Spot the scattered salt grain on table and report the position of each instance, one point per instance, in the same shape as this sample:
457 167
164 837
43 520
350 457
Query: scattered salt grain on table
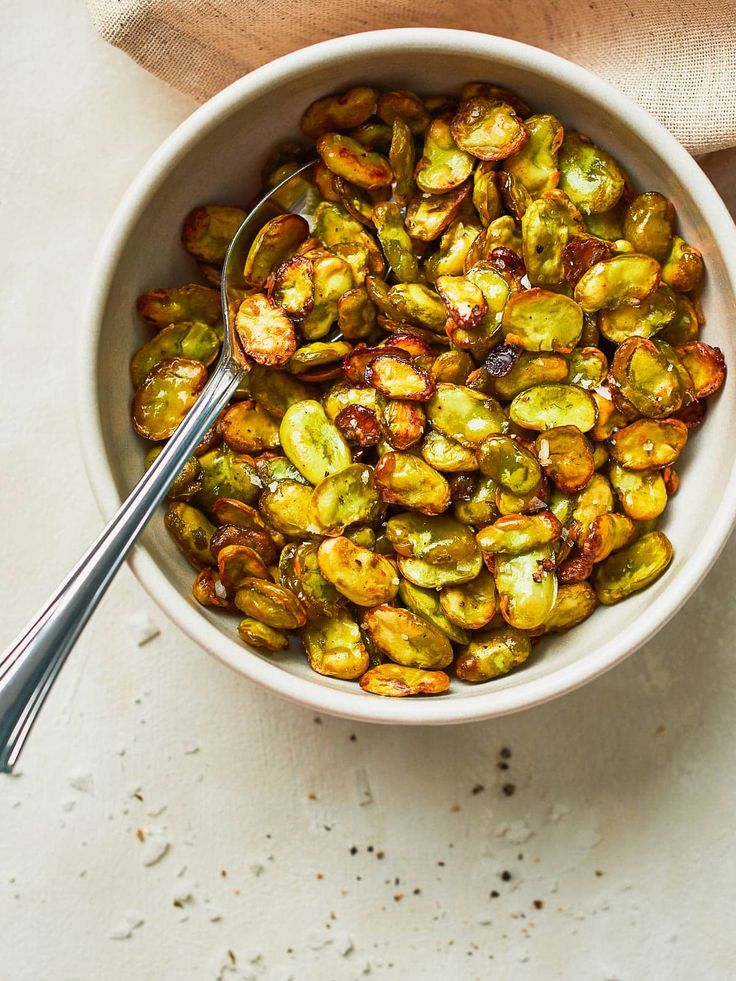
318 941
141 627
588 838
82 781
365 794
129 922
557 812
517 832
121 931
222 964
155 845
183 894
343 943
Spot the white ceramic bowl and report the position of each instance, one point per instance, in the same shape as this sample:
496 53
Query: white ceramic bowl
216 155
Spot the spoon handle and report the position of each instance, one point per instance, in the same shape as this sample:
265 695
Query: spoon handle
28 668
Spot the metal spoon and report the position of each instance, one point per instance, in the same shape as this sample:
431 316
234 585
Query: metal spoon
28 668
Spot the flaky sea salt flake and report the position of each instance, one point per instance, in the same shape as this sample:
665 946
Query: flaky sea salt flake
155 845
82 781
141 627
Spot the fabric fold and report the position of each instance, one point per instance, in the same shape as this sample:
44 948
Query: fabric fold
677 60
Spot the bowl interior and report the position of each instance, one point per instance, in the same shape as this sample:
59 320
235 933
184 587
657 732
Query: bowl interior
218 160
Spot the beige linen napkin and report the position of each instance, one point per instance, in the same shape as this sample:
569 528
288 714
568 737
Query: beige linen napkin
675 58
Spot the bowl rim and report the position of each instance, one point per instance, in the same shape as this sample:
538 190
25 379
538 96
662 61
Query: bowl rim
312 693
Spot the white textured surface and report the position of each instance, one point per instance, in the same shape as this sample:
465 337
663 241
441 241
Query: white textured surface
620 822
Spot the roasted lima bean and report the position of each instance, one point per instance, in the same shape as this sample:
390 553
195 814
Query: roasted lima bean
474 361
